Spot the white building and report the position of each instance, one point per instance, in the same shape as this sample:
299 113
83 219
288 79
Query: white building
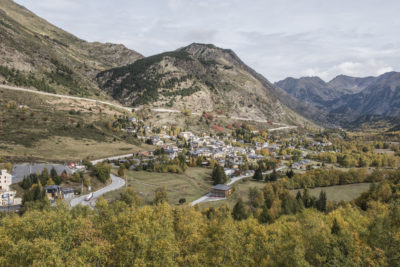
7 196
5 180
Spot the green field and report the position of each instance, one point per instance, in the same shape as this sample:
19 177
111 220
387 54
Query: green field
241 191
335 193
339 192
192 184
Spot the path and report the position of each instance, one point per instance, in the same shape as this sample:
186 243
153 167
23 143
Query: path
65 96
129 109
94 162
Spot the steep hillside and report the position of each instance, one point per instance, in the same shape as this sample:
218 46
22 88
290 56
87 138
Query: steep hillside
200 78
381 97
34 53
350 85
309 89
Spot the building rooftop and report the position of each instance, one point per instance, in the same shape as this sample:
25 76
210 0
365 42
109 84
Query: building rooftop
223 187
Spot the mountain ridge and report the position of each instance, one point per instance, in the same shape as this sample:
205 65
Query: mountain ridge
40 51
356 98
200 77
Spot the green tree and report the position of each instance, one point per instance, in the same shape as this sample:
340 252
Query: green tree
240 211
321 202
258 174
161 195
256 197
335 229
130 197
121 171
218 175
102 172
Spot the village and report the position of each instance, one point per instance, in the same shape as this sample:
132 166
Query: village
238 152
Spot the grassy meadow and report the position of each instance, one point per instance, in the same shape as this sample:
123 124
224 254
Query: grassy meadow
192 184
339 192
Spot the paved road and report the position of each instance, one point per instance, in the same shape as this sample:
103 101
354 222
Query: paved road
94 162
282 128
116 183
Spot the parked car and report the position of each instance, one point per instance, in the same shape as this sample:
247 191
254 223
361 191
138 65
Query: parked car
89 197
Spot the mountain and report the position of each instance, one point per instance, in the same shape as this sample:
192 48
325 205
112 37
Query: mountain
380 97
345 100
199 77
34 53
350 85
309 89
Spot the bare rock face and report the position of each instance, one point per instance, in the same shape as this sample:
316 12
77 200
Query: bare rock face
199 77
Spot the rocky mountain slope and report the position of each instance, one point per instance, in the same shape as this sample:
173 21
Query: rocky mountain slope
198 77
34 53
350 85
309 89
380 97
351 99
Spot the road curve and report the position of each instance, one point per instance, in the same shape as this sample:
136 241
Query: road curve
116 183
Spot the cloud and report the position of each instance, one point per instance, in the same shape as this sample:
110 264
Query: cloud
276 38
354 69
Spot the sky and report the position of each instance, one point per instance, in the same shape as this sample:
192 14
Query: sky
279 39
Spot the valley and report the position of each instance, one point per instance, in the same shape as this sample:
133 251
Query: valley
190 157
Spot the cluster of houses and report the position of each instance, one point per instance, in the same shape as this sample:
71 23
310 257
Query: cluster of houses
55 192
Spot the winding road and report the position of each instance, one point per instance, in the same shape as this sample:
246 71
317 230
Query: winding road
116 183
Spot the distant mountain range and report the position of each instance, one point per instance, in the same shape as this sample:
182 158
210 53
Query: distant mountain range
346 99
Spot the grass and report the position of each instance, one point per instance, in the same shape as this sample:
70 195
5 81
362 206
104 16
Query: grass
339 192
192 184
48 129
335 193
241 191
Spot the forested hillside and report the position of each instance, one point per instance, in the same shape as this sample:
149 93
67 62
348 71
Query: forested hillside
363 233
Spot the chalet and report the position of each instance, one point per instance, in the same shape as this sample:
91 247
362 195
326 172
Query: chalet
221 190
53 192
67 193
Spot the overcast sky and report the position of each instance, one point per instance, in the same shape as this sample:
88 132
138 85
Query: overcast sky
277 38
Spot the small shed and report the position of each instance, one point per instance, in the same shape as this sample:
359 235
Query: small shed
221 190
67 193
